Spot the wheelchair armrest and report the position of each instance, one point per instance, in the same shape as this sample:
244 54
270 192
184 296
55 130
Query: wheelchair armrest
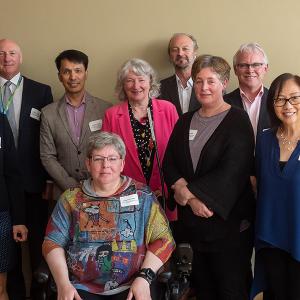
42 273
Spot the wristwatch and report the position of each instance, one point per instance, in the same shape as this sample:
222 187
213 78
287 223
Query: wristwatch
146 273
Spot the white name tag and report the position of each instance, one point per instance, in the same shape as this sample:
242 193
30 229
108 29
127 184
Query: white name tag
192 134
35 114
129 200
95 125
0 143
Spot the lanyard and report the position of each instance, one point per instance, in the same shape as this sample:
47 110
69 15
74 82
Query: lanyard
10 99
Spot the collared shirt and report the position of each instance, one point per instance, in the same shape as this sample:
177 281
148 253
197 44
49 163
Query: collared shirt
184 94
17 98
75 118
253 107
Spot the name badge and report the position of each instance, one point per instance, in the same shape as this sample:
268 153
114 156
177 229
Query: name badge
95 125
129 200
192 134
0 143
35 114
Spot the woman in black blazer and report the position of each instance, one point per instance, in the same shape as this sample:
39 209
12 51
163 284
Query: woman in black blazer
11 203
207 167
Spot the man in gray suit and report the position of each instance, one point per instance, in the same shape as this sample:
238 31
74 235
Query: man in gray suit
67 124
178 88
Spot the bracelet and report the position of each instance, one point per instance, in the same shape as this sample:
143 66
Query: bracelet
146 273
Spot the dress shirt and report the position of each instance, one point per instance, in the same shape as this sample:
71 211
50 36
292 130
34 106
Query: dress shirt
253 107
75 118
184 94
17 97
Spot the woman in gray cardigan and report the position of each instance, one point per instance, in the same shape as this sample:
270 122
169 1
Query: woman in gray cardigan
207 167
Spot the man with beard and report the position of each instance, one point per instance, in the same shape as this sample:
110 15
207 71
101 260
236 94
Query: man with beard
67 124
178 88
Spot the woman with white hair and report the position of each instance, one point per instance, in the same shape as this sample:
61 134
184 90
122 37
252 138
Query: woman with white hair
137 87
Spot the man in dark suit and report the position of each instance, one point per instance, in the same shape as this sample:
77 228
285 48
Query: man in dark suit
250 64
178 88
67 124
23 109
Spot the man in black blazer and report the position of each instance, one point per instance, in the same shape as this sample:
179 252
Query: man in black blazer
250 64
28 98
178 88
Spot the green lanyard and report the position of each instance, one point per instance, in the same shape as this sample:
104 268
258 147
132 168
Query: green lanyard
10 99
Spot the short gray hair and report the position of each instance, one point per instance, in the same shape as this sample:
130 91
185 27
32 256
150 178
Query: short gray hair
195 44
101 139
140 68
216 63
250 48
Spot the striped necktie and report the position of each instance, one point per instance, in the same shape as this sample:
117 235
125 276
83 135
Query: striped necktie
10 113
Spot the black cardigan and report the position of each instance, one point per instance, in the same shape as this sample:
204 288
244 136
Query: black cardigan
222 177
11 188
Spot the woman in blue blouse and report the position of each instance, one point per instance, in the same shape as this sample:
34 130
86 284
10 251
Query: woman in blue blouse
278 204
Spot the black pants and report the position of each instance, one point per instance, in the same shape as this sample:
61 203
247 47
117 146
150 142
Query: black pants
157 290
89 296
37 218
282 274
223 275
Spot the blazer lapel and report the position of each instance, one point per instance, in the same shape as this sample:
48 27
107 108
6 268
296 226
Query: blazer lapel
89 109
63 115
25 105
174 95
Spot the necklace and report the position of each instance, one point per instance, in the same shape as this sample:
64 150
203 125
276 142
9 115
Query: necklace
289 145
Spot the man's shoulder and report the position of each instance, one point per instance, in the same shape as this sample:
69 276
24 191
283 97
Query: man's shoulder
168 80
33 83
98 101
53 106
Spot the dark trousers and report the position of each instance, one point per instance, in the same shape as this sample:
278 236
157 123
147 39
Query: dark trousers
282 274
157 290
223 275
89 296
37 217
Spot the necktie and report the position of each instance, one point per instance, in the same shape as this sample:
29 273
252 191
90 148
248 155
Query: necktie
10 113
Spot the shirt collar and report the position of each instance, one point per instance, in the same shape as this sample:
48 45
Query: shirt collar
83 101
189 82
259 95
14 80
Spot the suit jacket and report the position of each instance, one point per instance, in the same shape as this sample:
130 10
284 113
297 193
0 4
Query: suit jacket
234 98
35 96
169 91
11 189
221 179
61 156
164 118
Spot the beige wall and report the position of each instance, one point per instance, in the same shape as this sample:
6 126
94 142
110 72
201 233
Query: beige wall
112 31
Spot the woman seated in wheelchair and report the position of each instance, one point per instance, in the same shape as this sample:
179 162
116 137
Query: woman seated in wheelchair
107 238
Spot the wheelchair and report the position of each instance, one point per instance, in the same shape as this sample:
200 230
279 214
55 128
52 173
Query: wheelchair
172 282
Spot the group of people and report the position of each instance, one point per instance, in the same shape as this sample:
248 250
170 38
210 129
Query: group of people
224 163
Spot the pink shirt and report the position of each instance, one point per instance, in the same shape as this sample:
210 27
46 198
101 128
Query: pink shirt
253 107
75 118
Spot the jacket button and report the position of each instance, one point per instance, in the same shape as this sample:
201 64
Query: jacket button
77 170
79 152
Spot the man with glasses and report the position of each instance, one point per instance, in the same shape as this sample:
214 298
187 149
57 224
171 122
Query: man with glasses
68 123
250 64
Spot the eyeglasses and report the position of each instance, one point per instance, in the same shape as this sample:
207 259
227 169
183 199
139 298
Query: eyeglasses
254 66
98 159
281 101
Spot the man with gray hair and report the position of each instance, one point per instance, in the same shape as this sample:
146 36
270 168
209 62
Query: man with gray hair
178 88
250 65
